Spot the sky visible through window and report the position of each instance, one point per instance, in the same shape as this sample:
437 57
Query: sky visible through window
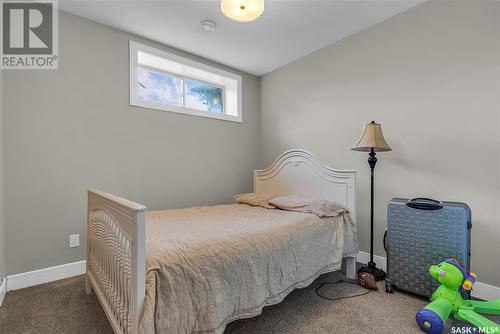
159 88
164 89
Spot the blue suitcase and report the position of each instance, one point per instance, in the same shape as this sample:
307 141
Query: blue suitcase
421 232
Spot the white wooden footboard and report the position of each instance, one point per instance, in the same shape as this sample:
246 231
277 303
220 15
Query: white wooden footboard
116 267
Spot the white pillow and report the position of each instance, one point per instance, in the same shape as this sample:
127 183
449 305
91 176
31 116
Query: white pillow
255 199
316 206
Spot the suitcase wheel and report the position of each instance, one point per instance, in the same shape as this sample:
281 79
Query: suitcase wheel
389 288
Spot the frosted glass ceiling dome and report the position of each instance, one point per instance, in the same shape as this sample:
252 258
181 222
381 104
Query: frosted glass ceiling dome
242 10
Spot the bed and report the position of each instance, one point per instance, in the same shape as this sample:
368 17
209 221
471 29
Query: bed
194 270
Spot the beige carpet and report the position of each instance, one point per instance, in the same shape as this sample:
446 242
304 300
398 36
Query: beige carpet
63 307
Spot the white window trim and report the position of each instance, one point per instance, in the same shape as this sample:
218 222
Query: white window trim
136 47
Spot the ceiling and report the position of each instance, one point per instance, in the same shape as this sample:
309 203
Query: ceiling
288 29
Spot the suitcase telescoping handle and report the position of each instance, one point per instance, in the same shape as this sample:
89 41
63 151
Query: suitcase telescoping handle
422 203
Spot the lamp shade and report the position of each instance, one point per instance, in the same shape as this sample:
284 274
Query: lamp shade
242 10
372 138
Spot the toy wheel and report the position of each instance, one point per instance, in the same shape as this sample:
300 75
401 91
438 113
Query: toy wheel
429 321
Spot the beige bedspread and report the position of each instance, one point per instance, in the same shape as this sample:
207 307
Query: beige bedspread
207 266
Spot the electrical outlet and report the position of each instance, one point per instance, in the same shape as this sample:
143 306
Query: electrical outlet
74 240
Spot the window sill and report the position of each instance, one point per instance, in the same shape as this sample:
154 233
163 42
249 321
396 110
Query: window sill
186 111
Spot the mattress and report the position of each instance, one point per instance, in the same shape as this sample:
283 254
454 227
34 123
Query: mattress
208 266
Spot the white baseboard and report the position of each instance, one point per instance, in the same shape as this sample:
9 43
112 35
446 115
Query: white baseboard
45 275
485 291
3 289
481 290
13 282
364 258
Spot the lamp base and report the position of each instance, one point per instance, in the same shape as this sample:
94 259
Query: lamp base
377 273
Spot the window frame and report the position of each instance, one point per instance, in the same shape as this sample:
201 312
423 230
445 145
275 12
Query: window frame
134 101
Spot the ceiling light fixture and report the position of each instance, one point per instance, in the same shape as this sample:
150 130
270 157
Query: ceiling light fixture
242 10
207 25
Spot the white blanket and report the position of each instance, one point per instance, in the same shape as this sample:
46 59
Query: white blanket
208 266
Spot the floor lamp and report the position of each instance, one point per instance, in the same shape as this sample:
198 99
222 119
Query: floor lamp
372 140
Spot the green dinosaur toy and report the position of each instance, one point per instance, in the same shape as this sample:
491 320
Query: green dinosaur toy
447 299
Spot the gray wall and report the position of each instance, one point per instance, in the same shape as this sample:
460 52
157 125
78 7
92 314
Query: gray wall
2 207
430 76
73 128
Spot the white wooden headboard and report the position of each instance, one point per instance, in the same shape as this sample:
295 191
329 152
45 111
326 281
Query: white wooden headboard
300 172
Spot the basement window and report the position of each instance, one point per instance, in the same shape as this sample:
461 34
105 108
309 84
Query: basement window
164 81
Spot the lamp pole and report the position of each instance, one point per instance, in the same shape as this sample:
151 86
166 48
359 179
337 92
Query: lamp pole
372 161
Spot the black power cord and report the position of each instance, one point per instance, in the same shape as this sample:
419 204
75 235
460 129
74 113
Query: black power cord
338 282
